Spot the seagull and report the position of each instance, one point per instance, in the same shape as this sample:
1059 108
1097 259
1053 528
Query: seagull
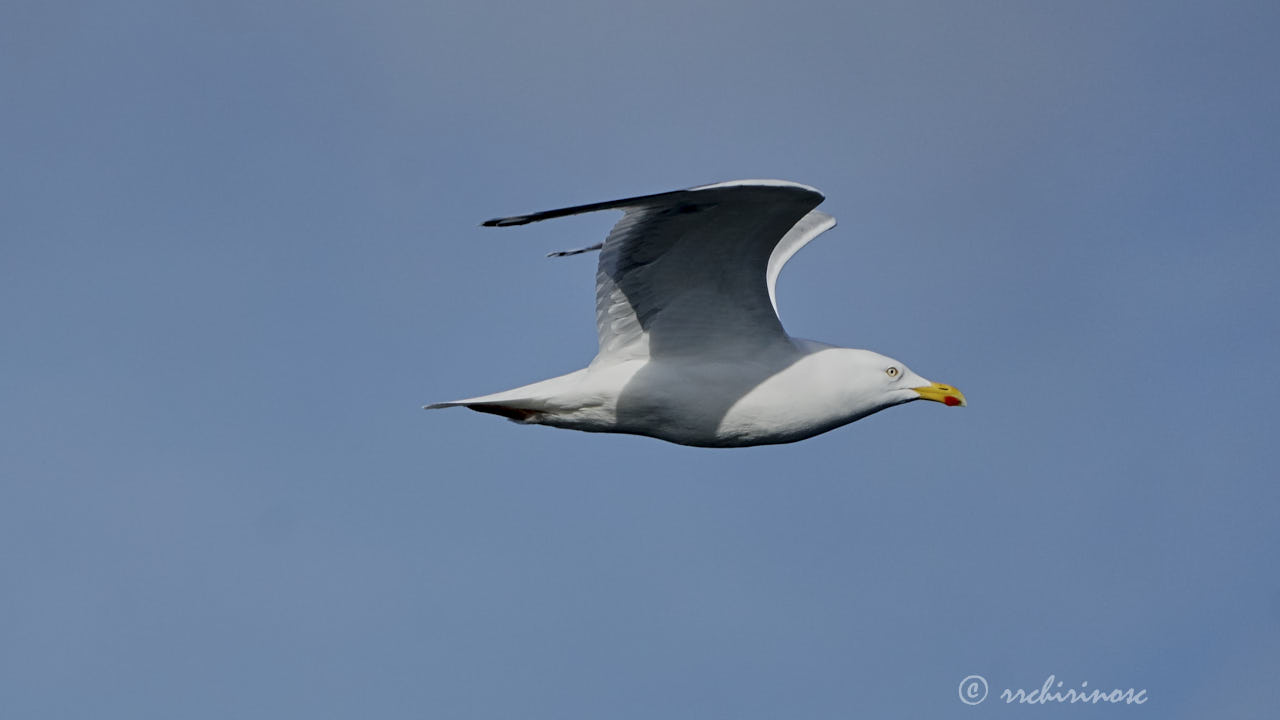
691 347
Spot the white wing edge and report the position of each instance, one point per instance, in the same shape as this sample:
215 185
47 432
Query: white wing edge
757 183
809 227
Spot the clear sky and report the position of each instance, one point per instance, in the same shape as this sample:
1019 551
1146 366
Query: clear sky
239 249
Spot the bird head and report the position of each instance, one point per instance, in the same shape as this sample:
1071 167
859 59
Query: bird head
877 382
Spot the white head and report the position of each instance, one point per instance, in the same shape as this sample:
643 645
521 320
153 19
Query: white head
871 382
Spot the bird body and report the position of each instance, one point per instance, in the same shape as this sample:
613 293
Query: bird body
691 347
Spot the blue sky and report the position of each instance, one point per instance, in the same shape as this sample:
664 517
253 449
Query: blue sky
241 249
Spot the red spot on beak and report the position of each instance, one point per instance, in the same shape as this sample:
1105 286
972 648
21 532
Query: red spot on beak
951 400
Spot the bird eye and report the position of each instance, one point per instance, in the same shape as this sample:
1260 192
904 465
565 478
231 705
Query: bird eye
892 372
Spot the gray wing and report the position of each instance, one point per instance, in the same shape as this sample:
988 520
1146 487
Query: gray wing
692 272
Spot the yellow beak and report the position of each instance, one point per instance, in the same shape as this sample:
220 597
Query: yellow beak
945 394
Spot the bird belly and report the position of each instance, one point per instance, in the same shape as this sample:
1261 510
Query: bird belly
721 405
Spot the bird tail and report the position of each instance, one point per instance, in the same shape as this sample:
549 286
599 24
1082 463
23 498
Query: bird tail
514 410
527 404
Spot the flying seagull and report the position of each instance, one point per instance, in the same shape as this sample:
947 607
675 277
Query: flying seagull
691 347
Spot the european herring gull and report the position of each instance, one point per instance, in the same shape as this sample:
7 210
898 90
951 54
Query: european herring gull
691 347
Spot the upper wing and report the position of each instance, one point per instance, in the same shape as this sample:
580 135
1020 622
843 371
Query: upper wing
693 271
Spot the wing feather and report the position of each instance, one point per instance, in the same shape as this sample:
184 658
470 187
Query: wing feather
693 271
809 227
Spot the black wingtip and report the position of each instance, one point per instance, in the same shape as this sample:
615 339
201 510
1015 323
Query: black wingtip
507 221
